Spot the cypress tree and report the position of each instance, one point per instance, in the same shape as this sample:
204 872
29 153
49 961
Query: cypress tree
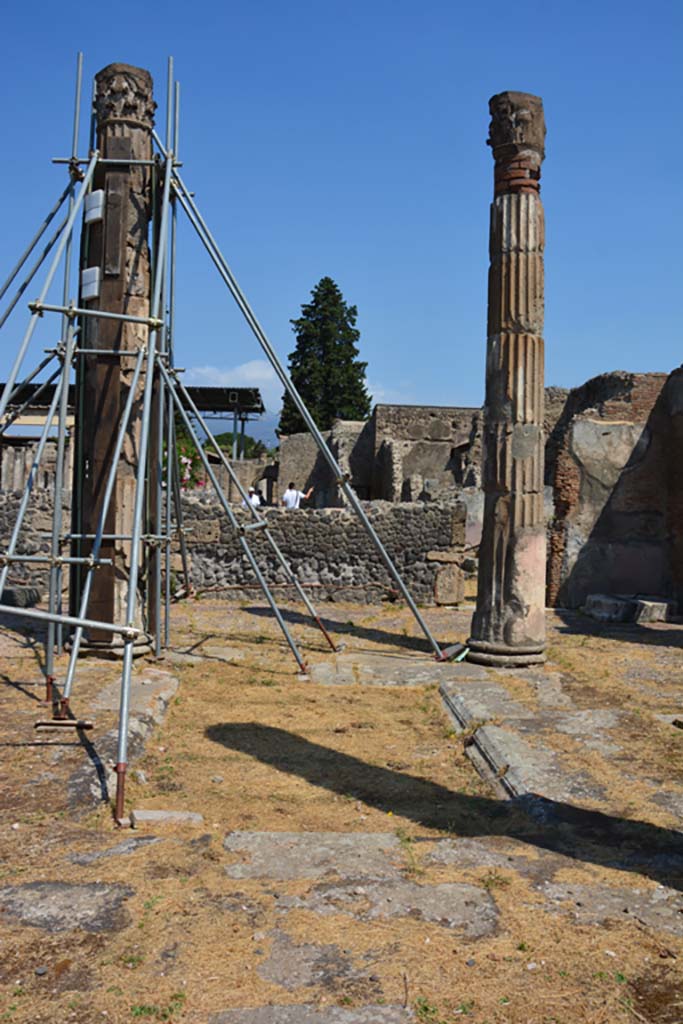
324 366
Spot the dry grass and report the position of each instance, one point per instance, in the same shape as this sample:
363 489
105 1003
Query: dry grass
253 748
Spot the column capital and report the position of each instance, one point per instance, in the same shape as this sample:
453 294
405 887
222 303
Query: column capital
517 139
124 93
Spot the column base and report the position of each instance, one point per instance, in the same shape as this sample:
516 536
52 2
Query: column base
501 656
113 649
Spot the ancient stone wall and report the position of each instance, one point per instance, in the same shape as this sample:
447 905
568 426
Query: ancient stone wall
614 491
16 459
328 549
301 462
249 472
34 538
425 452
608 466
331 553
402 453
672 401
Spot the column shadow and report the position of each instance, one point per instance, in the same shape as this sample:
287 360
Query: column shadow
585 835
418 644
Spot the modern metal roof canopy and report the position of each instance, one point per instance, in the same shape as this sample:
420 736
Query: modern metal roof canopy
118 346
247 401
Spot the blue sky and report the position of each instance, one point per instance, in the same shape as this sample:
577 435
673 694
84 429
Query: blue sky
348 139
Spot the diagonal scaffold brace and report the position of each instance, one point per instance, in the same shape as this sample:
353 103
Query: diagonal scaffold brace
186 200
156 397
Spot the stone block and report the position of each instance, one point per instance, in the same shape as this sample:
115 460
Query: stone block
444 556
64 906
653 609
609 608
205 531
177 562
290 855
624 608
144 817
458 524
449 585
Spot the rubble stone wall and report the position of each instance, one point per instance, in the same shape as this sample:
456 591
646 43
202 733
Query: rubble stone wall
331 553
301 462
34 538
328 549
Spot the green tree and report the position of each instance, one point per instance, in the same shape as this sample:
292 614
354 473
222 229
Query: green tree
324 366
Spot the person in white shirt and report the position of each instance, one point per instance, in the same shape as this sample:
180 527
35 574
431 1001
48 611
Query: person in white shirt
292 498
252 499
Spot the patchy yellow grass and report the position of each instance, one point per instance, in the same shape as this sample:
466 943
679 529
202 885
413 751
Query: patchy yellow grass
252 747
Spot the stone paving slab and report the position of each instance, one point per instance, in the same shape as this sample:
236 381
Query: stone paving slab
493 852
293 965
128 846
383 670
149 688
590 726
468 908
151 692
62 906
314 1015
292 855
484 702
660 910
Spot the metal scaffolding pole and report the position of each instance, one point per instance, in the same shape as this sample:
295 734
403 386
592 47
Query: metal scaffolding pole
36 238
131 602
55 582
256 516
233 522
29 401
155 555
29 484
104 511
170 437
85 185
54 589
32 273
34 373
190 207
126 631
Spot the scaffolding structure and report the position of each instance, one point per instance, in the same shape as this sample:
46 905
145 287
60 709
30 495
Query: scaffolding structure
164 399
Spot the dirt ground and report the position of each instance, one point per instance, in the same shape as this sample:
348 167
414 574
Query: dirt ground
253 748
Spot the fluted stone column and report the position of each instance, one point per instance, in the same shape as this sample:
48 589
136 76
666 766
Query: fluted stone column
508 627
119 246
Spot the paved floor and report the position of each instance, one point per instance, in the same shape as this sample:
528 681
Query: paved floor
553 897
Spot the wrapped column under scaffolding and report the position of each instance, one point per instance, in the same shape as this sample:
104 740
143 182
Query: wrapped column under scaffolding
115 278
